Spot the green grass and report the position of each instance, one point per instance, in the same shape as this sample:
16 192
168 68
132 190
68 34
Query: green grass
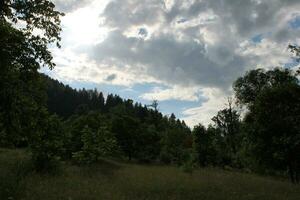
113 180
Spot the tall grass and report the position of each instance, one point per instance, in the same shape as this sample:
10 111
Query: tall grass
113 180
14 166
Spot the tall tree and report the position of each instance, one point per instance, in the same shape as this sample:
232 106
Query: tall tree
272 121
253 82
275 129
228 122
127 131
21 55
203 145
26 29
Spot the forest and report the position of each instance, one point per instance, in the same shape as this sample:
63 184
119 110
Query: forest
258 132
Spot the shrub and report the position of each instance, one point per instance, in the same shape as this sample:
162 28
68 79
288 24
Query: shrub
95 144
46 143
188 161
188 167
165 157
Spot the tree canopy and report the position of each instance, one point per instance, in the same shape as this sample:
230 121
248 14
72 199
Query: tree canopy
247 87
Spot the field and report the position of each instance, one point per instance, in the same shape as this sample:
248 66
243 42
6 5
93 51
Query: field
114 180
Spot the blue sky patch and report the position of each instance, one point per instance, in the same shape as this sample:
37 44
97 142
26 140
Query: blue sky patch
257 38
295 23
176 106
292 64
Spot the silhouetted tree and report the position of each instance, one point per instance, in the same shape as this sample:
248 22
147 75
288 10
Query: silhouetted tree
271 133
203 145
22 53
228 122
253 82
275 133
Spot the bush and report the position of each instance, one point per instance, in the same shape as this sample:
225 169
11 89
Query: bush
5 141
188 161
95 144
188 167
165 157
46 144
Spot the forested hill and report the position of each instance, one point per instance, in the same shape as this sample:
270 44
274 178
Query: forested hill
141 133
65 101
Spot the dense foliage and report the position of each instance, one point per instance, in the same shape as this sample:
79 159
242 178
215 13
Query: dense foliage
141 133
24 118
267 138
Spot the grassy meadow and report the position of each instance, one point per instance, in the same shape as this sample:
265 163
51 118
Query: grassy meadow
114 180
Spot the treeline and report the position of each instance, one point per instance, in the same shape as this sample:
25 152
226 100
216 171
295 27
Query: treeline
66 101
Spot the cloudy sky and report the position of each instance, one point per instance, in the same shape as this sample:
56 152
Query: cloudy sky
186 54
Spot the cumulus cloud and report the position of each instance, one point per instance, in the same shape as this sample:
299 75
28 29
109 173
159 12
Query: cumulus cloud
165 58
123 14
206 50
70 5
215 101
192 47
75 66
162 94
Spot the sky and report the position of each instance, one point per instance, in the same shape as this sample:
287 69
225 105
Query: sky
185 54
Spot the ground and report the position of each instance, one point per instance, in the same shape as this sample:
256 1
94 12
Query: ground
116 180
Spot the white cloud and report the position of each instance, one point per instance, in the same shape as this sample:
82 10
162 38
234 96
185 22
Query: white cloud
216 100
175 93
185 45
82 26
266 54
78 67
70 5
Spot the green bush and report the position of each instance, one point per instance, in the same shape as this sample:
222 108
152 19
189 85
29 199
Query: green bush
165 157
188 161
46 144
95 144
188 167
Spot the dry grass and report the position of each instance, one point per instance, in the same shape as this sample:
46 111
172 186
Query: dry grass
112 180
